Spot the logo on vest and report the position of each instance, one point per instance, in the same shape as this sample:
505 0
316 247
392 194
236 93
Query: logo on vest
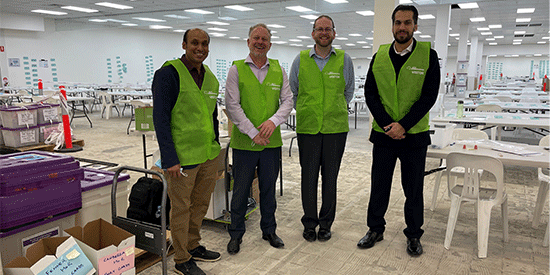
333 75
274 86
415 70
211 94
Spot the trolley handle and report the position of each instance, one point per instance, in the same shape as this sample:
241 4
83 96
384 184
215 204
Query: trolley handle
146 171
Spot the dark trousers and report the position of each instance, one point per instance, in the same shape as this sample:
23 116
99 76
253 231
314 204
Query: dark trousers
245 164
413 162
324 152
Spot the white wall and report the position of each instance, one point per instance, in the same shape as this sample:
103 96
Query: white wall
81 55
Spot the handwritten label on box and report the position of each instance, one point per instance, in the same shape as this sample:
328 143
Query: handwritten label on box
117 262
72 262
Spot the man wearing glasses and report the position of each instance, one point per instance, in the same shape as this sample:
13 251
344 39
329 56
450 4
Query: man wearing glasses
322 81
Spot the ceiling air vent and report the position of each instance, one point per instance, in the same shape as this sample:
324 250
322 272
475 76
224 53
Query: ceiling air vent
522 25
529 35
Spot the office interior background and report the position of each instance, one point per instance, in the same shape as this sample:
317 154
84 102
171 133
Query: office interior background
93 43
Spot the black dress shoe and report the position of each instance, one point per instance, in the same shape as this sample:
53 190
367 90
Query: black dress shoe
370 239
274 240
234 246
324 235
414 247
309 234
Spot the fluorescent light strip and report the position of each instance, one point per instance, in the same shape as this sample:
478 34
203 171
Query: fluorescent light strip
149 19
73 8
276 26
217 23
129 24
362 42
489 39
472 5
366 47
217 34
523 20
49 12
354 34
493 43
303 37
541 42
179 30
309 16
526 10
497 26
98 20
239 8
425 36
175 16
538 54
483 29
227 18
486 33
365 13
114 6
336 1
477 19
295 40
426 16
234 37
519 32
279 42
199 11
499 36
298 8
454 34
350 44
275 37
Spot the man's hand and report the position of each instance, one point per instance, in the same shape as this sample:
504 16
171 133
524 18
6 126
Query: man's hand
266 128
395 130
258 139
175 171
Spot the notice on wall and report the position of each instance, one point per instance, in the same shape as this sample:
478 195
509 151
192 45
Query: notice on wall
14 62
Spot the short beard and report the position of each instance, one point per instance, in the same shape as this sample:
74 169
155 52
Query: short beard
404 41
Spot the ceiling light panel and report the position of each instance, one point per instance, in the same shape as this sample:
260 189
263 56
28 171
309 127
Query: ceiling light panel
73 8
309 16
496 26
114 6
477 19
299 8
218 23
526 10
239 8
336 1
149 19
426 16
175 16
523 20
199 11
365 13
472 5
49 12
159 27
276 26
218 29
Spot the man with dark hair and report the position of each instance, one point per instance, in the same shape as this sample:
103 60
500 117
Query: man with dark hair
258 100
322 80
185 117
401 87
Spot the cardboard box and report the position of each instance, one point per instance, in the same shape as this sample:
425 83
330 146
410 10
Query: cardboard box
144 118
109 248
52 256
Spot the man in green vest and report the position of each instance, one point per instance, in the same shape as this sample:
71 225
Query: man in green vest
401 87
258 100
185 117
322 81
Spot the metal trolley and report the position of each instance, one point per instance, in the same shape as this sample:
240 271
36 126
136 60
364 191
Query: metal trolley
149 237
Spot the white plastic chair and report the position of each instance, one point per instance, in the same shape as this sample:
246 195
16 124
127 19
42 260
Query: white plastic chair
544 179
485 198
107 104
458 134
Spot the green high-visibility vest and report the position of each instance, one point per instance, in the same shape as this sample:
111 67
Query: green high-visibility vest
191 119
321 105
259 101
398 97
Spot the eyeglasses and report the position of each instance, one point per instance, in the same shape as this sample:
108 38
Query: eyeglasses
323 29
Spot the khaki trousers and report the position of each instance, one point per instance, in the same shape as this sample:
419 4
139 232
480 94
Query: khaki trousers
189 200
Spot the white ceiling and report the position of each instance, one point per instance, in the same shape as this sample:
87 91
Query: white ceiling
346 19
